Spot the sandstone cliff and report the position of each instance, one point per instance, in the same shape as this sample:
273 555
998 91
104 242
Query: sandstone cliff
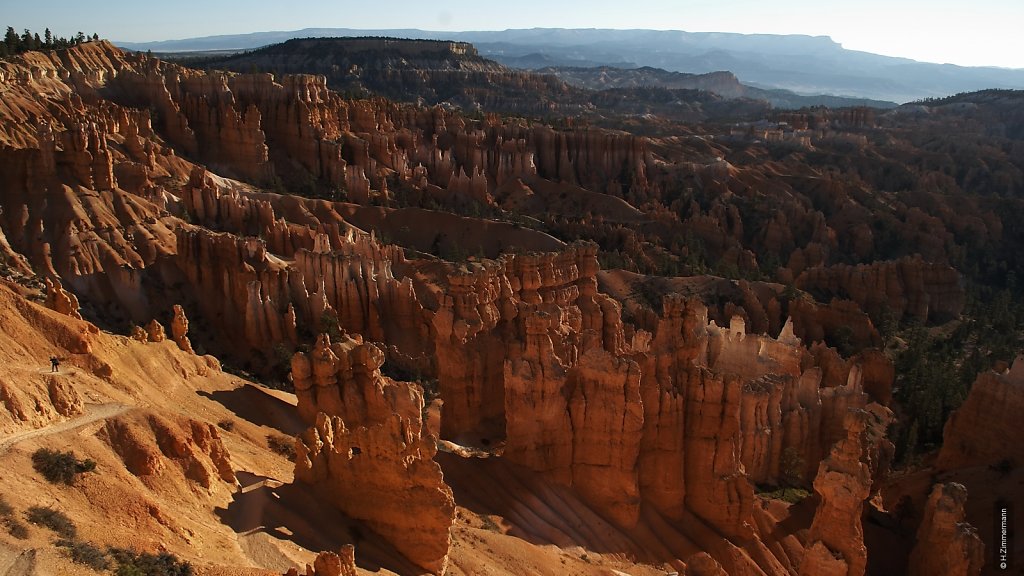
946 544
366 454
910 287
983 430
836 537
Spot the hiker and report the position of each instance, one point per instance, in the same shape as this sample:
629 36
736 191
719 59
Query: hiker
54 363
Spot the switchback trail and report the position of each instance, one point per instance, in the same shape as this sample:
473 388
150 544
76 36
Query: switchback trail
93 412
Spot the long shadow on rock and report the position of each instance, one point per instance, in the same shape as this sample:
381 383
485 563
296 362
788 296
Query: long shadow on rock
538 511
545 513
260 407
294 513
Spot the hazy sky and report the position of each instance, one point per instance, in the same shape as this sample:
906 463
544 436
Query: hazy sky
972 33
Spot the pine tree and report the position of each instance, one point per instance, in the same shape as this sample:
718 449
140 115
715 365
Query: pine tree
11 40
26 40
48 39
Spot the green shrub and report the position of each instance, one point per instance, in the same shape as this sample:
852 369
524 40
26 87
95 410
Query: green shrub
283 445
86 554
226 424
131 563
54 520
58 466
791 495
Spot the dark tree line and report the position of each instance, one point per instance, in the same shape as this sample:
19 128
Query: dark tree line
935 369
15 43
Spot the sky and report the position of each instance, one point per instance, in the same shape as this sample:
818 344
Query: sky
969 33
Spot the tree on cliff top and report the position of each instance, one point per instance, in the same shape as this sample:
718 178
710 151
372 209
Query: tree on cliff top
16 44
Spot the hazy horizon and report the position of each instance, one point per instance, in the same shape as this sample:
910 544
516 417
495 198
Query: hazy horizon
983 33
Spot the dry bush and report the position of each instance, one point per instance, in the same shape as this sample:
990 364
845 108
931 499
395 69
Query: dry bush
281 444
60 467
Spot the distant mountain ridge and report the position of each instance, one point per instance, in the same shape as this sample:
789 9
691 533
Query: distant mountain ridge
802 64
454 73
723 83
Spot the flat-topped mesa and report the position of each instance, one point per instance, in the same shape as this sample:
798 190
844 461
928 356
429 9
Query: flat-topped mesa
986 428
401 46
344 379
365 452
946 544
909 287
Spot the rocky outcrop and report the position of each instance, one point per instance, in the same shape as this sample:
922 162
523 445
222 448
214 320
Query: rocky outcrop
342 563
702 564
384 475
946 544
717 490
149 444
985 430
179 329
365 452
344 279
343 379
909 287
155 331
60 300
835 542
138 333
580 424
